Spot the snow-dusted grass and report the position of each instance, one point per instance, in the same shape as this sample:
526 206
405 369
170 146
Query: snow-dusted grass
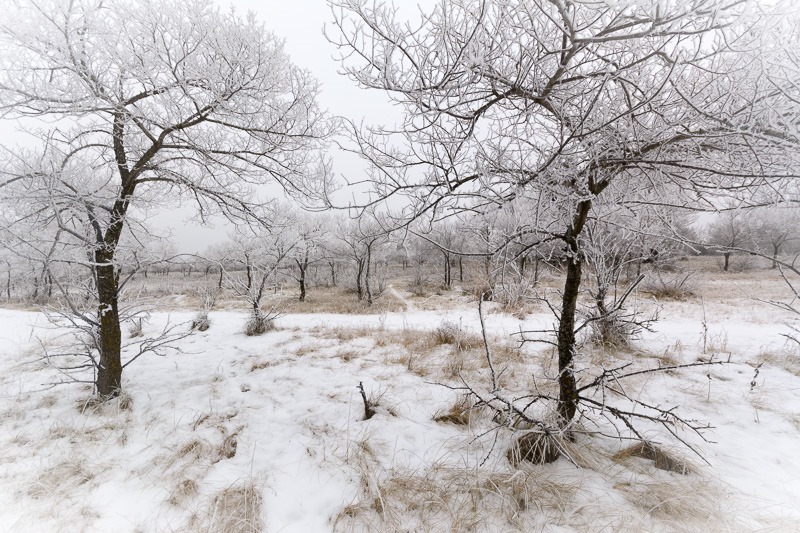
266 433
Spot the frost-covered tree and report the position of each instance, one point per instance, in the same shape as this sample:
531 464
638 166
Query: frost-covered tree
732 231
138 103
775 228
574 104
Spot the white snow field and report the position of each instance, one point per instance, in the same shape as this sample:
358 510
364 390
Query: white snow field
228 433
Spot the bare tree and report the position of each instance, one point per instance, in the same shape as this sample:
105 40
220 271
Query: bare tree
575 105
138 103
730 231
310 231
775 228
361 239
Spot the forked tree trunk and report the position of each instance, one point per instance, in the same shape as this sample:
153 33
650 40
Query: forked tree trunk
332 265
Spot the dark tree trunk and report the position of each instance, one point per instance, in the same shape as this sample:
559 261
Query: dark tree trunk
367 274
109 371
460 269
219 280
249 273
567 384
301 278
522 262
447 271
302 285
775 250
8 282
359 274
726 264
568 395
332 265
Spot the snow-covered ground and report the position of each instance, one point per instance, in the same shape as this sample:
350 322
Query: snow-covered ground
236 433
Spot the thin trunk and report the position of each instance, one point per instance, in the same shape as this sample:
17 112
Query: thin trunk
460 269
332 265
775 250
359 274
8 281
219 280
727 256
367 274
301 278
249 273
447 275
567 384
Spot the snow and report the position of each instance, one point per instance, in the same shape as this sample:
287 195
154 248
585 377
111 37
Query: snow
289 400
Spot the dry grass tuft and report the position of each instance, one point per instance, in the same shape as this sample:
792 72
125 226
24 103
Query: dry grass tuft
186 489
536 448
677 287
456 335
692 504
258 324
62 479
201 322
95 405
787 359
236 509
227 450
662 459
460 413
441 498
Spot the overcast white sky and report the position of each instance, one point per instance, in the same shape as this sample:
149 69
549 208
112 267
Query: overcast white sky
300 23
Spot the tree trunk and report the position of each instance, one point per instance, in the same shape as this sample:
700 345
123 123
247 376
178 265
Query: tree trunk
332 265
301 278
447 275
109 371
568 394
8 282
219 281
727 256
775 250
367 275
460 269
567 384
359 274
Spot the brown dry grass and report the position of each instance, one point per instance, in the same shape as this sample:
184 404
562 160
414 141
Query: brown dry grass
787 359
235 509
61 479
662 459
